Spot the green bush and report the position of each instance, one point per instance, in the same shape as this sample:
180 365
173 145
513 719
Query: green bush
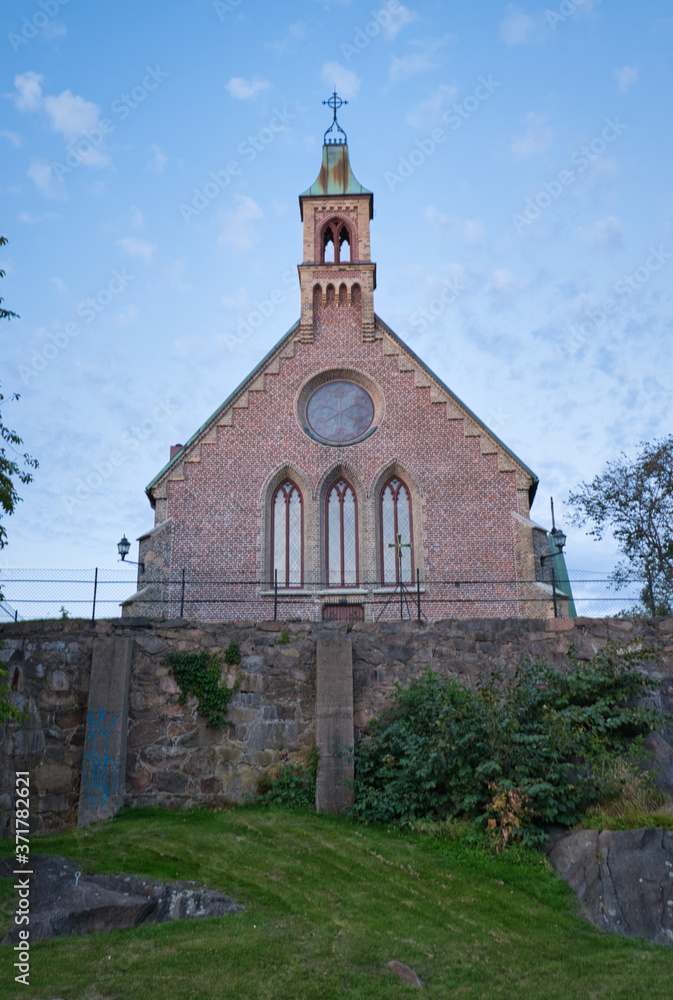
513 755
199 674
294 784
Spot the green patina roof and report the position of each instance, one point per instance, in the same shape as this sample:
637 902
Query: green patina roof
336 176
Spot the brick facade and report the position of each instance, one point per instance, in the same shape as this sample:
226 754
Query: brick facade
470 495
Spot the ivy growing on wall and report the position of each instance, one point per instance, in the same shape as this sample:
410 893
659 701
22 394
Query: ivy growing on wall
199 674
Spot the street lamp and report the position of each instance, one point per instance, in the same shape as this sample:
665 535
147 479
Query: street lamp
123 548
559 539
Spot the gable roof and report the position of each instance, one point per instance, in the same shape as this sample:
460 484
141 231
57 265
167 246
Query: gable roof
274 354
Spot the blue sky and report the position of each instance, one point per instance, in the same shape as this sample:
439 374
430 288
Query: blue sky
520 158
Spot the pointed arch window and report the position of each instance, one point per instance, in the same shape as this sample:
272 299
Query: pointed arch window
329 253
337 243
396 519
287 531
342 535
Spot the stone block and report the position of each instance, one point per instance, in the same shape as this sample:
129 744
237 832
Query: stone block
55 778
104 761
334 722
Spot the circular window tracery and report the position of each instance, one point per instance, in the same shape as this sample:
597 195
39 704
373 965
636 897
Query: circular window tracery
340 412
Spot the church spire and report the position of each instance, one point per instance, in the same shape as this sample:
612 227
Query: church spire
336 211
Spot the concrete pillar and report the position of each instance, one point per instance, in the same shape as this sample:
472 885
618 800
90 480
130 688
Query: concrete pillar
104 761
334 723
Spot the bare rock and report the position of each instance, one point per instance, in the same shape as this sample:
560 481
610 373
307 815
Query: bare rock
623 878
406 974
64 901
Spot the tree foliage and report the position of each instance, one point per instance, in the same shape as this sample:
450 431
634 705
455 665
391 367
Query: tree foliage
633 498
14 466
514 754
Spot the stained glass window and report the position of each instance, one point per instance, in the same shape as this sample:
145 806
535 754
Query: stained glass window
286 543
342 536
340 412
396 520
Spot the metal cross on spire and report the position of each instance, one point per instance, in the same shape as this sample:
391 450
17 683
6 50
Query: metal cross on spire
335 103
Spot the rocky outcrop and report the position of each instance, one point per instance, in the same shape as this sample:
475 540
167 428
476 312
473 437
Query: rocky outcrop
623 879
65 901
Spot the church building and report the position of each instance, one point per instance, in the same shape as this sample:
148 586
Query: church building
342 479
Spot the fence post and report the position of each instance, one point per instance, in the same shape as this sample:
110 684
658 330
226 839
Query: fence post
95 588
418 592
275 594
182 594
650 588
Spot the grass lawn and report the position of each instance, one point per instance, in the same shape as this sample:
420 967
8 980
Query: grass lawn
328 904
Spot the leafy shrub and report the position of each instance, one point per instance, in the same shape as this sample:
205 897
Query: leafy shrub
515 754
232 653
294 784
199 674
284 637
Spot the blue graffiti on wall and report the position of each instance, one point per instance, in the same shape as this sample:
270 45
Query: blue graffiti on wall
100 774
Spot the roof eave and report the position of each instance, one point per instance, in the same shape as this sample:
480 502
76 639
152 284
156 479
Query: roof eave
228 401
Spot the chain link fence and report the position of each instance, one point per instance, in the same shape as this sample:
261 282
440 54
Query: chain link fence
35 594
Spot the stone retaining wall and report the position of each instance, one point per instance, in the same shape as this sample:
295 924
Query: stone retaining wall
173 757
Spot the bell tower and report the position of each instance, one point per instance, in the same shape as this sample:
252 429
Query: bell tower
337 270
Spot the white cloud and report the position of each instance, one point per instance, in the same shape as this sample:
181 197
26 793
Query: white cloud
134 247
159 159
70 114
516 27
237 301
404 67
536 139
129 314
41 174
471 230
12 138
346 81
238 229
29 87
605 234
53 30
503 281
626 77
73 116
28 219
429 110
137 218
289 42
242 89
399 17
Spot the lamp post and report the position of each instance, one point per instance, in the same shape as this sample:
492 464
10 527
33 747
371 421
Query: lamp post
559 539
123 548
